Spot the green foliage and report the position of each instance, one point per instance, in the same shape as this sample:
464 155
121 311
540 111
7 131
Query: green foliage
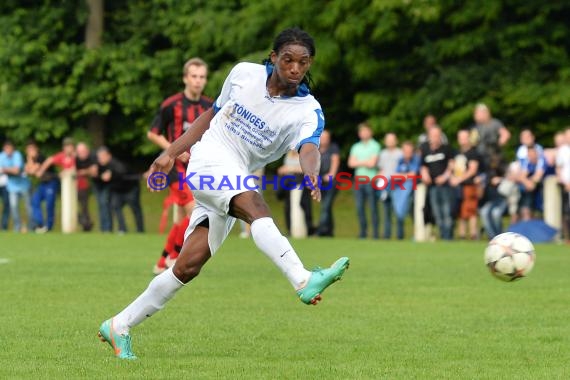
388 61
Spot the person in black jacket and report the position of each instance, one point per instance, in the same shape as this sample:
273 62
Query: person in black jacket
123 187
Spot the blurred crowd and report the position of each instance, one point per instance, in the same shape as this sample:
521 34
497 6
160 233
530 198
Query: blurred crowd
473 190
30 181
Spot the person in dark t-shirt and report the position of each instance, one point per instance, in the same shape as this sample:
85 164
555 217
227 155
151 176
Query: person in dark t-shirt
123 187
330 162
436 167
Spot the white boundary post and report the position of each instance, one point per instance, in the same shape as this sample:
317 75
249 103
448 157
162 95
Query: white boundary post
552 203
420 233
68 201
298 225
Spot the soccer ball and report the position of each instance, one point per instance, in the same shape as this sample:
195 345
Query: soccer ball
509 256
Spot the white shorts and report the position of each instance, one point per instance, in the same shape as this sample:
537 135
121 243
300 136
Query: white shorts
214 204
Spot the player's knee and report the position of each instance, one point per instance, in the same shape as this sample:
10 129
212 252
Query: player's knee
186 273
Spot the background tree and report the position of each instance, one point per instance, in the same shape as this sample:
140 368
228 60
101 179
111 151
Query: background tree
390 62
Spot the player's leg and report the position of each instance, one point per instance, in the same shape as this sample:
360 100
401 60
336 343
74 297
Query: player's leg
195 253
185 202
186 205
251 208
160 266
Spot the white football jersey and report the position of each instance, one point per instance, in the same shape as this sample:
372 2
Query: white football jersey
251 128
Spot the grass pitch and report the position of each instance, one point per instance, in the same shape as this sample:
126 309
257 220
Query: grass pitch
403 310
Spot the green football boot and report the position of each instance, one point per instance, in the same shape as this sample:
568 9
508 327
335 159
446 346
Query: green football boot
121 344
321 279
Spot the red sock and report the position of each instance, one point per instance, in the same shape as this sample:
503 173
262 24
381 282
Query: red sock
171 239
161 262
179 238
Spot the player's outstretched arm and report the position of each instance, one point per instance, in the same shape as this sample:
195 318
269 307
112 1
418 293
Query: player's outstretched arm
165 161
310 159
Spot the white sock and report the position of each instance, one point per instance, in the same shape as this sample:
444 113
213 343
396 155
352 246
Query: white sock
276 246
161 289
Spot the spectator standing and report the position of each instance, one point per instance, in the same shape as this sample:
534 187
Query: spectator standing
530 182
46 190
563 175
124 188
494 200
330 163
4 201
86 166
429 122
436 168
64 160
18 186
408 165
363 159
292 167
488 134
387 163
466 167
526 139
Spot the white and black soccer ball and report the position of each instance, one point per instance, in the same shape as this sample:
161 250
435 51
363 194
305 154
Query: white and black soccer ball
510 256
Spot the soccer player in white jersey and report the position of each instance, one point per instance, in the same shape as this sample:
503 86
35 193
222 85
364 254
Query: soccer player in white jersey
262 112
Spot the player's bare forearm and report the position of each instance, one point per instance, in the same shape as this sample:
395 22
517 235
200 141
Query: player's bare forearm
192 135
157 139
310 159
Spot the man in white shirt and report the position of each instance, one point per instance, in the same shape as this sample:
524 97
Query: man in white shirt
262 112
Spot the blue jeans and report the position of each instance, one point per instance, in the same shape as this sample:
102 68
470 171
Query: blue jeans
5 202
492 216
46 191
15 209
103 193
441 199
326 221
387 212
365 196
131 198
401 221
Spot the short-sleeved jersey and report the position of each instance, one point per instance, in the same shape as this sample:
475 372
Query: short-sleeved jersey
62 161
176 115
251 128
365 151
17 183
50 173
326 158
436 160
461 164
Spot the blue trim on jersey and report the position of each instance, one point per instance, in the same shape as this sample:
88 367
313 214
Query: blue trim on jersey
302 90
315 138
215 107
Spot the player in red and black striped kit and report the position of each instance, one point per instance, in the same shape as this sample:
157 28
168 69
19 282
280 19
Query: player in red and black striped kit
176 114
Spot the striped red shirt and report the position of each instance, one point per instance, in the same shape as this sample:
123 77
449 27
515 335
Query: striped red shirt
176 115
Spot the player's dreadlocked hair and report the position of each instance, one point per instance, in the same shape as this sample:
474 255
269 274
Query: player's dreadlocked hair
295 36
